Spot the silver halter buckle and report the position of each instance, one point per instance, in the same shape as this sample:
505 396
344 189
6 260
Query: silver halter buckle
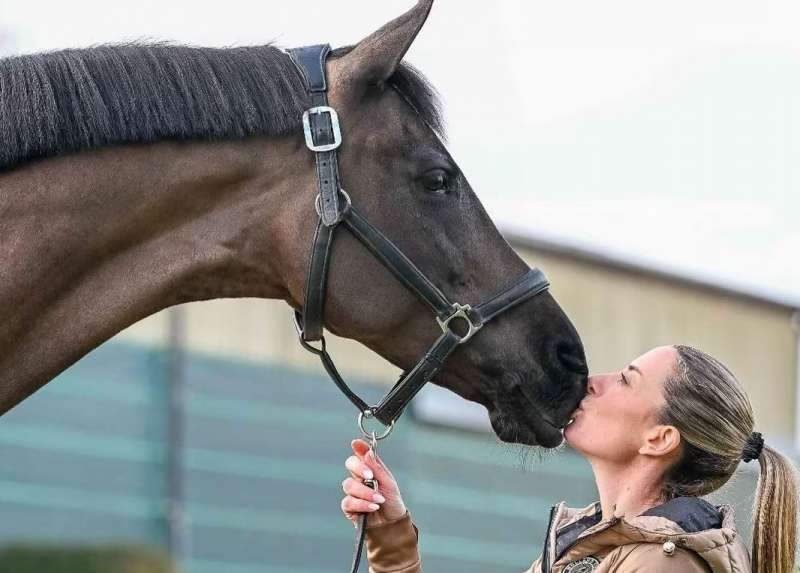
337 132
460 311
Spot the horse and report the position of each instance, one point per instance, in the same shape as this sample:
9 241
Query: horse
138 176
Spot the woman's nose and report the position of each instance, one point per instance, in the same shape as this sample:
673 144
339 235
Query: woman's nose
597 383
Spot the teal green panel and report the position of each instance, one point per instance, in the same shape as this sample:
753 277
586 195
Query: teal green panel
263 462
207 566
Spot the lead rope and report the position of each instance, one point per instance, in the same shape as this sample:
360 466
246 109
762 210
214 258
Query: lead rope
361 530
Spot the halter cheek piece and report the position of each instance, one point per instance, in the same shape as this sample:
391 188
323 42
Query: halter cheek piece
334 208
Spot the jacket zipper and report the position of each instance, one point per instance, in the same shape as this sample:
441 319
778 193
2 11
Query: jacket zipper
612 522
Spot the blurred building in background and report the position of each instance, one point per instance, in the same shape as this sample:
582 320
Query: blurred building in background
207 431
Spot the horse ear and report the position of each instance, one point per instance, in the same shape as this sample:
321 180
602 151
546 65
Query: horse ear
375 58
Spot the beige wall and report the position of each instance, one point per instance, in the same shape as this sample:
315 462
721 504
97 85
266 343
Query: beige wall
259 331
619 313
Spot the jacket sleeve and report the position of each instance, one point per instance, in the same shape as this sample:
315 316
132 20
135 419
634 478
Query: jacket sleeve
392 546
650 558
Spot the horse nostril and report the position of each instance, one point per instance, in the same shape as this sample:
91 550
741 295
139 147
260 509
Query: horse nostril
571 357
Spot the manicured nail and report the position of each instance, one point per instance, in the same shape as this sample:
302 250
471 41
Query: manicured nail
374 506
379 498
368 473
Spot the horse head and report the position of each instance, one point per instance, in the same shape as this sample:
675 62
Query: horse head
528 366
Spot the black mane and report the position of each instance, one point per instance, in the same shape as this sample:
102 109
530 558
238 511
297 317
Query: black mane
115 94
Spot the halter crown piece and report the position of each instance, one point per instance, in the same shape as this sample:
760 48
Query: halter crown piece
753 447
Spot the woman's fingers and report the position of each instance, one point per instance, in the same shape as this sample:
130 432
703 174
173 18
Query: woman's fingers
356 489
353 504
385 504
360 499
358 469
372 461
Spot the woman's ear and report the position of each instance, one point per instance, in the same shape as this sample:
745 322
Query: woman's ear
375 58
660 440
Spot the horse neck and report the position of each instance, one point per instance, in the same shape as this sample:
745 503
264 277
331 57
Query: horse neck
94 242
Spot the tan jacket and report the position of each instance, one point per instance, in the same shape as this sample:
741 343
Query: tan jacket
685 535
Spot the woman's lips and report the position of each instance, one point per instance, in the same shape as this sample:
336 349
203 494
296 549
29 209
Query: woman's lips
574 416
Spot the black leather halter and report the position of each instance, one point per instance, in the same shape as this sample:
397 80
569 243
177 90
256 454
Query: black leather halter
333 205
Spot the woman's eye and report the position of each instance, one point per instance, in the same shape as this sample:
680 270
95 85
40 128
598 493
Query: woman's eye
622 379
436 181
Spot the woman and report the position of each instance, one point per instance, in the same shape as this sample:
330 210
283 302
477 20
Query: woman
668 428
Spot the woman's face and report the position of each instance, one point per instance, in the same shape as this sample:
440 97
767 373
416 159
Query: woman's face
621 407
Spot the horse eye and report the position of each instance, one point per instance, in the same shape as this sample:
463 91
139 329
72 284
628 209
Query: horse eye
436 181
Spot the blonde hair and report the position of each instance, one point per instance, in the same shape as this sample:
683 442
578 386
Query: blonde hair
708 406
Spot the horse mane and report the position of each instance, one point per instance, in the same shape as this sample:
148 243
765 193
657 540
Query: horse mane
70 100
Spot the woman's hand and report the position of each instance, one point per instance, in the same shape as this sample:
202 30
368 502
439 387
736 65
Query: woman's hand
382 505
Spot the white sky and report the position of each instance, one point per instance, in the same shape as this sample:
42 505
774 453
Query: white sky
665 133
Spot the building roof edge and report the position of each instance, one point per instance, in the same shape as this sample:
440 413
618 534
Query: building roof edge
576 251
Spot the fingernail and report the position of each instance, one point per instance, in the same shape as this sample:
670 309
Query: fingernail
368 473
374 506
355 525
379 498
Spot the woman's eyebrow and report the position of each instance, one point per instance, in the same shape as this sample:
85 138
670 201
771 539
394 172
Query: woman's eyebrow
635 369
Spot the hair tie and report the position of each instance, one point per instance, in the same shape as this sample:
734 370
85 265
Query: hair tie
753 447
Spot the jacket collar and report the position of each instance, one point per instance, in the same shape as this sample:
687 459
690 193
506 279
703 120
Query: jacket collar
690 522
691 514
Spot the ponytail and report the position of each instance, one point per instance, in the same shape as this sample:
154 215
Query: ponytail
775 515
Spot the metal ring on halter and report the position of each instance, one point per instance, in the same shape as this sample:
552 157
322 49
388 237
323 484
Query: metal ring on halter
305 343
368 414
460 311
318 206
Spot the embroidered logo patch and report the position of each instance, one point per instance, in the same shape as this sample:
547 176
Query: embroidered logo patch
585 565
